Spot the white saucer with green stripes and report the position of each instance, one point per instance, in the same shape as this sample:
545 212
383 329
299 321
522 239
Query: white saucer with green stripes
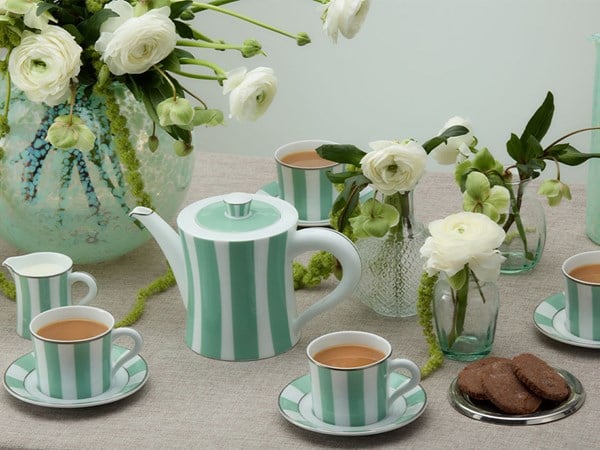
550 318
20 380
295 404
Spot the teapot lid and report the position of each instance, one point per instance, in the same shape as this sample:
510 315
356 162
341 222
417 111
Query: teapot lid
237 217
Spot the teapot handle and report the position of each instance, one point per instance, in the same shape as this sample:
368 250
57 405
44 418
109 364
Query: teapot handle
344 250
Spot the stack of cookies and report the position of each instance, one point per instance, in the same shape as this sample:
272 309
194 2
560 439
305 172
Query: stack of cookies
515 386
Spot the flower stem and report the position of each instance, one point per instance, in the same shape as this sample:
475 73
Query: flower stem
206 44
202 62
166 77
402 202
212 6
459 299
581 130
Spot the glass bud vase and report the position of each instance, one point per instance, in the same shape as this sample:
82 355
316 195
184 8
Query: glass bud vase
465 319
392 265
77 202
525 228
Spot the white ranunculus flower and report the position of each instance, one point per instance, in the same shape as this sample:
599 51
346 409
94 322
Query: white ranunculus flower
464 238
394 166
344 16
456 149
43 64
250 93
134 44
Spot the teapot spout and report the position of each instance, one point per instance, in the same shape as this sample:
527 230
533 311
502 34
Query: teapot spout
169 243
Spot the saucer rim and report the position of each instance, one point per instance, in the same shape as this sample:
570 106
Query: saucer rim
80 403
556 335
347 431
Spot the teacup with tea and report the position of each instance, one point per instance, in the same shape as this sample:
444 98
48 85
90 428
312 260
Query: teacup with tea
73 351
582 294
302 178
43 280
350 373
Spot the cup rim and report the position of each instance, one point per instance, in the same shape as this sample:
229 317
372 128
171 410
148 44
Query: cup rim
380 339
296 146
570 260
77 309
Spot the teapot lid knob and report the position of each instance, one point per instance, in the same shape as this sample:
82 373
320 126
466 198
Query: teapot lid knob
237 205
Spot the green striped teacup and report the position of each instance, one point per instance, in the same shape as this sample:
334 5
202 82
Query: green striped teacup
43 281
356 396
307 188
582 298
76 369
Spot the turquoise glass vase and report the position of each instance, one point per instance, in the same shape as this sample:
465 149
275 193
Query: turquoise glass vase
77 202
592 222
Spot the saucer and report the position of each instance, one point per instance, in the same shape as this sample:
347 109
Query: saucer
295 404
550 318
272 190
20 380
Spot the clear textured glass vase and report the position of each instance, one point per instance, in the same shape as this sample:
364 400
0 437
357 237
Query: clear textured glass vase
465 319
525 229
392 265
592 215
77 202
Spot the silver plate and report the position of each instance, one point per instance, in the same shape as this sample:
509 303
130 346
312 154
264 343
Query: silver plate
486 412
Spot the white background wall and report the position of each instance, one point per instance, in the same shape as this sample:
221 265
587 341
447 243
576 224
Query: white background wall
414 64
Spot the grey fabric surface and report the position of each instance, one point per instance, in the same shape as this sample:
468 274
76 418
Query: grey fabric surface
194 402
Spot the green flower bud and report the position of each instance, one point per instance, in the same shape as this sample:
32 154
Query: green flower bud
70 132
250 48
103 76
4 126
302 39
153 143
186 15
183 148
175 111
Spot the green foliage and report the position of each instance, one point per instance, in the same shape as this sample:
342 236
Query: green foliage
425 315
456 130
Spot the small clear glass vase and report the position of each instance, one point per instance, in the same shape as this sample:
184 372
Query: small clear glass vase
465 319
525 228
392 265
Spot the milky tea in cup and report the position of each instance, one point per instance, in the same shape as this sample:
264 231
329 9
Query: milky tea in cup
302 179
582 294
350 373
72 346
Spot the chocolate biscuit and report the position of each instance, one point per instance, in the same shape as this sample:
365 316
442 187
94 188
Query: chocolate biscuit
505 391
469 378
540 378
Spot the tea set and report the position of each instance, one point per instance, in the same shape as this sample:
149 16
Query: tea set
232 260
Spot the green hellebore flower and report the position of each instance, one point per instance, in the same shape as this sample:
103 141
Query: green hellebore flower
375 219
208 117
70 132
175 111
480 197
554 191
250 48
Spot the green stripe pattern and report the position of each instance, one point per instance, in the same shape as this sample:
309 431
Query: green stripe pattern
36 295
236 299
353 398
583 309
309 190
73 371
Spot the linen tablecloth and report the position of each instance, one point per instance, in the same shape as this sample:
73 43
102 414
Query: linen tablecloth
194 402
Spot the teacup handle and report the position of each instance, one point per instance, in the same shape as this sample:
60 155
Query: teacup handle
88 280
344 250
412 382
130 353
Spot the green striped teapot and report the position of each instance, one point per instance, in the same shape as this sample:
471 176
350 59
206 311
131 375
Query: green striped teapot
232 260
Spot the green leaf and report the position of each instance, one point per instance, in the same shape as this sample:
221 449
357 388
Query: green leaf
73 31
178 7
183 29
181 53
341 153
459 279
540 122
171 62
514 147
339 177
533 148
453 131
570 156
90 28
